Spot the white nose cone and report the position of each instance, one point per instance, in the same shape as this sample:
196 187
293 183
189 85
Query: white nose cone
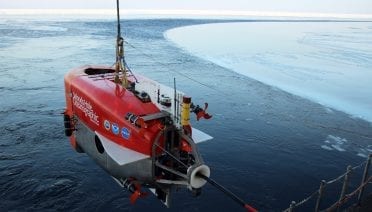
194 180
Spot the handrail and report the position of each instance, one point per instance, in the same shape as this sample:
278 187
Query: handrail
344 198
348 196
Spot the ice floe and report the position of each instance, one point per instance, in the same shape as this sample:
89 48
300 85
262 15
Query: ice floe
326 62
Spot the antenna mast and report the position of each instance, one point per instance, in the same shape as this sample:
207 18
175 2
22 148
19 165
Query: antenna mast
120 64
118 17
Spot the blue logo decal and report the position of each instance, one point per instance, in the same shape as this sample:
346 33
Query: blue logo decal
125 133
115 129
107 125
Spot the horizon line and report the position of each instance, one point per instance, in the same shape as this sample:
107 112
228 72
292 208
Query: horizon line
228 13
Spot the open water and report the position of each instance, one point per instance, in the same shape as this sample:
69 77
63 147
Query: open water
270 147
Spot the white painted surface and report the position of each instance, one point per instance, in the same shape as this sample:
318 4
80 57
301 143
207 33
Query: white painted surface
120 154
199 136
151 87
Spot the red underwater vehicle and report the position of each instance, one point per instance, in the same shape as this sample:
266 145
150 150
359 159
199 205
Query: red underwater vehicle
132 131
136 129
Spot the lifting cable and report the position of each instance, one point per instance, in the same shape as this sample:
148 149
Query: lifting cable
209 180
174 71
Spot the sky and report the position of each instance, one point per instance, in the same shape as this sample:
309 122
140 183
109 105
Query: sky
307 6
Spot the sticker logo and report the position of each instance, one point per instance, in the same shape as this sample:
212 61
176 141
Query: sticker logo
85 107
107 125
115 129
125 133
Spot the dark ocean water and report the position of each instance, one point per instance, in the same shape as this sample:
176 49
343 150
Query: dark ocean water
267 145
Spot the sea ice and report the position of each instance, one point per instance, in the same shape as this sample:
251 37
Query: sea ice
338 148
335 142
362 155
326 147
326 62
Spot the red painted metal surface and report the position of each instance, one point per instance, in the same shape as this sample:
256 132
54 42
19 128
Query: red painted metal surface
102 105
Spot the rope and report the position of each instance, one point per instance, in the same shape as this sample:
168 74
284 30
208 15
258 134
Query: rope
348 196
170 154
336 179
358 166
330 182
344 174
172 70
307 199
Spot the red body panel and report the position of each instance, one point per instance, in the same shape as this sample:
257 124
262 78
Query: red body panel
102 105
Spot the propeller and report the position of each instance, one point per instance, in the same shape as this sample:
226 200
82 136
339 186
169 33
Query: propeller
137 194
201 113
